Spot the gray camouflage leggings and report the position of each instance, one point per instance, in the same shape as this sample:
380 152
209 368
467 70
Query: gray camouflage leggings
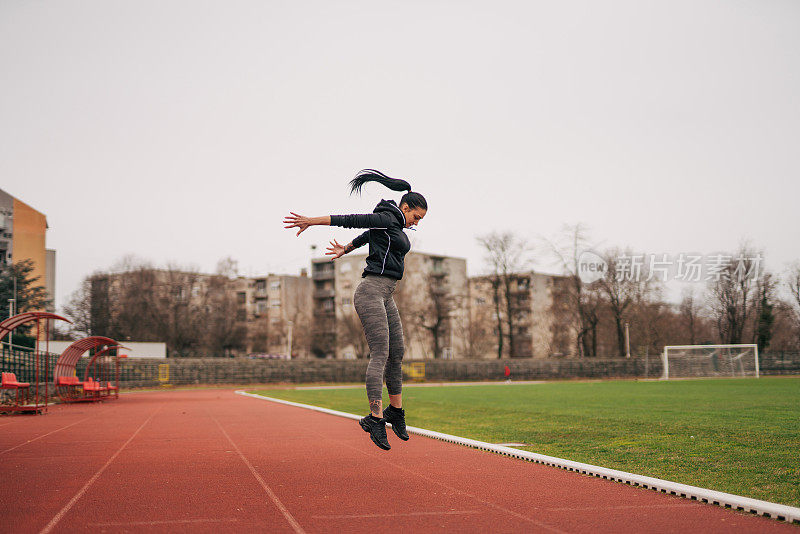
384 332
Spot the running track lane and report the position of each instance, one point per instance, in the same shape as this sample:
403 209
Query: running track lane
211 461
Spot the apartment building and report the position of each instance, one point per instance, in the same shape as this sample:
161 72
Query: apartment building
276 310
540 312
430 298
333 327
23 236
433 299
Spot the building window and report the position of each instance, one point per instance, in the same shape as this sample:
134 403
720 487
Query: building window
346 301
241 297
261 306
480 301
275 285
275 303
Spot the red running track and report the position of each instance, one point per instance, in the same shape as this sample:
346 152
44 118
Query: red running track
211 461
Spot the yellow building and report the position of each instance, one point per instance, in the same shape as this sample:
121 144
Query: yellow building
23 236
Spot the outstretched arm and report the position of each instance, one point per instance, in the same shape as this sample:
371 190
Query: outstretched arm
337 251
366 220
295 220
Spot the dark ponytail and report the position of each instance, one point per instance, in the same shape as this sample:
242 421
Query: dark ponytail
413 200
371 175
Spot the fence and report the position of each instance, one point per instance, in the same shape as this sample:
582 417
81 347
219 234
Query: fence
187 371
143 372
22 363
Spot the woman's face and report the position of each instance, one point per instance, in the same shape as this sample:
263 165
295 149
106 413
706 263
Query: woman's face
413 215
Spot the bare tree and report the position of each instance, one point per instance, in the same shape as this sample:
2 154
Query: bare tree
78 309
426 305
478 330
763 314
651 318
434 314
506 257
277 334
407 297
689 309
731 291
350 332
494 279
194 314
181 319
223 333
228 267
621 289
583 299
259 336
792 284
561 310
786 328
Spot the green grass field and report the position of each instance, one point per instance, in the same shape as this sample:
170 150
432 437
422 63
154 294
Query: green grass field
740 436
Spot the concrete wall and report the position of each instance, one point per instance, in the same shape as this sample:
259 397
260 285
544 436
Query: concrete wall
50 279
134 349
184 371
6 226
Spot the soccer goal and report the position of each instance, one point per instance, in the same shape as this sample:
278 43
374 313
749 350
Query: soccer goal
697 361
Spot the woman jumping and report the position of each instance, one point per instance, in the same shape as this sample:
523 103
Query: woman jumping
373 299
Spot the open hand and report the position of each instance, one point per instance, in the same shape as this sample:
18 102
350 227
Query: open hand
336 250
297 221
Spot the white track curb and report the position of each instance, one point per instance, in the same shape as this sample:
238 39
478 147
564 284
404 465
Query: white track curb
781 512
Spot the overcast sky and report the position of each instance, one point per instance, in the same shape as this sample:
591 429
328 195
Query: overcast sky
183 131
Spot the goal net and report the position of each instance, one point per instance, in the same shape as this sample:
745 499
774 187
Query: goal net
696 361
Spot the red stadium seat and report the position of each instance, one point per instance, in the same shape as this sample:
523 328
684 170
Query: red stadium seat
67 381
9 381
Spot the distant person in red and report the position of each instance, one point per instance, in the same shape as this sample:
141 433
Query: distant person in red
388 245
507 373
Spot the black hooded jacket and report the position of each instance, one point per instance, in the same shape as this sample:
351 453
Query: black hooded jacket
388 243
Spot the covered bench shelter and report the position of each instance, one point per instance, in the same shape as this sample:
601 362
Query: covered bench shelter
35 368
103 384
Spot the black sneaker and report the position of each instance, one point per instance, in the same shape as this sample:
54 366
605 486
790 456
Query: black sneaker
397 418
377 431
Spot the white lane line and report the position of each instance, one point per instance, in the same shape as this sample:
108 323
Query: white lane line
53 522
44 435
164 522
401 514
678 504
292 521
